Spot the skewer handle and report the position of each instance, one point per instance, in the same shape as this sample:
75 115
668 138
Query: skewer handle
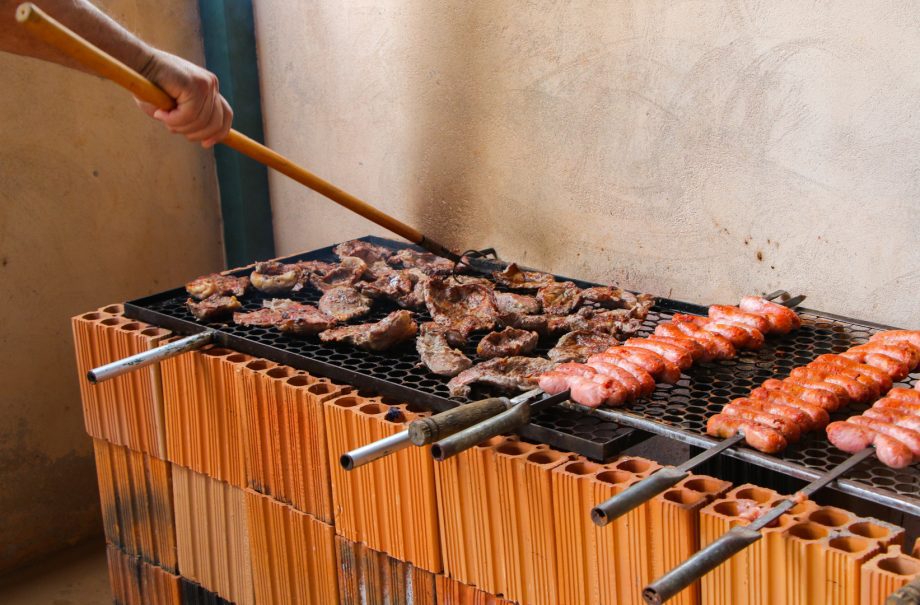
428 430
635 495
146 358
685 574
374 451
505 422
53 33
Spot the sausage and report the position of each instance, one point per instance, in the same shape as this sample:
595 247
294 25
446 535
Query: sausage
902 351
804 391
786 427
856 391
723 347
583 389
853 438
908 437
620 375
837 371
646 381
740 335
896 369
784 406
672 353
894 416
909 337
892 403
672 330
909 395
815 416
759 437
782 319
734 315
654 364
815 385
693 348
881 378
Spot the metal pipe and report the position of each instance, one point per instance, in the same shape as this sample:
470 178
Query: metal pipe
505 422
643 491
372 451
146 358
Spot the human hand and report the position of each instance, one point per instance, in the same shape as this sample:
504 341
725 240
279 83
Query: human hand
201 113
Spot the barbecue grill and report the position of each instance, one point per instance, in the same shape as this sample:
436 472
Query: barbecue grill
676 411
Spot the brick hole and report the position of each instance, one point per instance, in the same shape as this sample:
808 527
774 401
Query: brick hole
372 408
153 332
703 485
217 352
112 321
237 358
808 531
682 496
869 530
849 544
513 448
729 508
582 468
345 402
257 365
902 566
757 494
279 372
614 477
829 518
298 381
91 316
545 457
113 309
320 388
130 327
634 465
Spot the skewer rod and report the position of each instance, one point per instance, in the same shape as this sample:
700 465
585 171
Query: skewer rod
53 33
373 451
146 358
736 539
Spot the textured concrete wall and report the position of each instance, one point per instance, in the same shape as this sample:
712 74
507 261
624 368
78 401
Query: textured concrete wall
701 150
97 204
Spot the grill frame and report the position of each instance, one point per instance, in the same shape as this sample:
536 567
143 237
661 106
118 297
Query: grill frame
573 430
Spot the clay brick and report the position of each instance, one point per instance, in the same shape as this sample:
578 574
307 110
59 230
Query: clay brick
452 592
369 577
293 554
135 491
885 573
389 504
136 582
212 535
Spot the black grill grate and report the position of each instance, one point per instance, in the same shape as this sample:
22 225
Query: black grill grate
686 405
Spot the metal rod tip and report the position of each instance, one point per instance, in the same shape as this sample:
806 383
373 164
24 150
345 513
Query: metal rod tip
24 11
599 517
651 596
91 376
347 462
436 453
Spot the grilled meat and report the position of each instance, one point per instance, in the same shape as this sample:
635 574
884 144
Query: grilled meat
393 329
346 273
532 323
308 268
213 307
507 302
215 283
463 308
616 322
578 345
436 353
366 251
505 374
610 297
344 303
269 315
560 298
273 277
424 261
514 277
507 343
303 320
461 280
400 286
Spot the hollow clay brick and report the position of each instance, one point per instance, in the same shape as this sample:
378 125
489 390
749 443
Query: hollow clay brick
293 554
135 582
212 535
135 491
369 577
885 573
452 592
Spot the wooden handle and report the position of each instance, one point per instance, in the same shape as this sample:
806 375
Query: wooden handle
428 430
42 26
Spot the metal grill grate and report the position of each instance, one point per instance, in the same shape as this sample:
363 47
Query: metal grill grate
686 405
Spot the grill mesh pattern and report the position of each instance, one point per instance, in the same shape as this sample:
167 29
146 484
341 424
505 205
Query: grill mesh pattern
686 405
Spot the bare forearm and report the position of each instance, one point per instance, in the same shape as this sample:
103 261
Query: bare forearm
84 19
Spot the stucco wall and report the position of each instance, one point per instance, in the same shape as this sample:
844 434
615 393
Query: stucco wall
97 204
701 150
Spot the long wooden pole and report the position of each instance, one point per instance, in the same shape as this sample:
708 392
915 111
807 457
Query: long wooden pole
47 29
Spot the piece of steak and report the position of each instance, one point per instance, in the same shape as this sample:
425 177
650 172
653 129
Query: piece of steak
581 344
344 303
437 354
393 329
505 374
507 343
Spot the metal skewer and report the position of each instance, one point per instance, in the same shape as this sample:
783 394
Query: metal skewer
427 430
146 358
737 539
667 477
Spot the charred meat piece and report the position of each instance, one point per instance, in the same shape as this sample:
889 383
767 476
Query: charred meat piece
222 285
505 374
436 352
516 303
213 307
303 320
393 329
616 322
532 323
464 308
560 298
461 280
366 251
578 345
308 268
346 273
269 315
610 297
376 270
507 343
400 286
273 277
424 261
514 277
344 303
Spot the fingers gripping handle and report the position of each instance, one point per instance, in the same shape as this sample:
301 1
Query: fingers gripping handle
635 495
428 430
697 566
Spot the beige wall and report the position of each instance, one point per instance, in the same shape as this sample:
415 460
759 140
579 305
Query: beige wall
701 150
97 204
